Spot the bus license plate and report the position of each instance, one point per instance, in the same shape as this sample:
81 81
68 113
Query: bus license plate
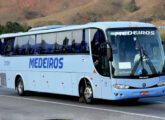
144 93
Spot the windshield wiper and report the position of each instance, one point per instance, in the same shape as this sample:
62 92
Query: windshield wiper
144 72
150 64
148 61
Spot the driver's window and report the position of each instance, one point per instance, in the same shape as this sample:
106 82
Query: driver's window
99 52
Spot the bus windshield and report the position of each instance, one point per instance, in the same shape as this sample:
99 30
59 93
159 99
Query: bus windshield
137 52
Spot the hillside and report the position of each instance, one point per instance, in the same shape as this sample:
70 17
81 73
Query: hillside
46 12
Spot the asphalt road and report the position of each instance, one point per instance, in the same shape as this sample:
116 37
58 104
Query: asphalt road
39 106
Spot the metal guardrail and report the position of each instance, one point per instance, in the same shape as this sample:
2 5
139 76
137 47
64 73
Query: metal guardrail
0 82
161 27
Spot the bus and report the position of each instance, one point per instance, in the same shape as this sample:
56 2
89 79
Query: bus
99 60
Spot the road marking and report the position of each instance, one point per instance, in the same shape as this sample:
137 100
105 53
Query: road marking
158 102
86 107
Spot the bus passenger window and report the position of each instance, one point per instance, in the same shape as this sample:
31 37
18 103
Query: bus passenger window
9 46
2 47
21 45
65 45
64 42
48 43
80 41
31 45
73 47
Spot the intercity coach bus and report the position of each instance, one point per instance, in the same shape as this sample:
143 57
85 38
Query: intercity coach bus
101 60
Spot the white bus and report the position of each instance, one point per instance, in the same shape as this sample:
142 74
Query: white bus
104 60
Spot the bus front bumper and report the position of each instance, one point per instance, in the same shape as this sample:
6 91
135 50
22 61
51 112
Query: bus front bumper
121 94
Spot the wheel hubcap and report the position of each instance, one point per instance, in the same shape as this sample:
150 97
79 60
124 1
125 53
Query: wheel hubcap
88 93
20 87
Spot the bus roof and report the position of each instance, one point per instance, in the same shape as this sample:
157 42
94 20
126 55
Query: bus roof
101 25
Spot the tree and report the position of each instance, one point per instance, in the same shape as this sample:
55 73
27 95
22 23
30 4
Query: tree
13 27
2 29
131 6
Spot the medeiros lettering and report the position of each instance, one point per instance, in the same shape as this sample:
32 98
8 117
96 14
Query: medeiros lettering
46 63
125 33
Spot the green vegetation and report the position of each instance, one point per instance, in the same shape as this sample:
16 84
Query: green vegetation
13 27
131 6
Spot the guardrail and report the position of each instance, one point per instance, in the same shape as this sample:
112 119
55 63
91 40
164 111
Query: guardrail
161 27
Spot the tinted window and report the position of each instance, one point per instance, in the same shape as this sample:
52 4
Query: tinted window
31 44
21 45
9 46
46 43
76 41
99 52
80 41
63 43
2 46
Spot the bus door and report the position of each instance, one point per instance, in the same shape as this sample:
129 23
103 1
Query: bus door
100 60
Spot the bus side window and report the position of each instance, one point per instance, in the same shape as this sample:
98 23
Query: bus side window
38 44
63 43
9 46
21 45
84 42
99 52
80 41
1 47
31 45
47 44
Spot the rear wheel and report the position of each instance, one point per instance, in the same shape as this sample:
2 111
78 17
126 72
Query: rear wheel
20 87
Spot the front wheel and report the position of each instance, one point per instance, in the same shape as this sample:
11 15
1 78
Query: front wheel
20 87
88 94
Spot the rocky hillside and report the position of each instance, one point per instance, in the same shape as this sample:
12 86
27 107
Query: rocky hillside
46 12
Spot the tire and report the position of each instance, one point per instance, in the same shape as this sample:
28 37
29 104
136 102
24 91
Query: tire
88 94
20 87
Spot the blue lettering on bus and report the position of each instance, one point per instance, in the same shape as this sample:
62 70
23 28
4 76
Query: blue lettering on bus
61 63
56 63
36 63
40 63
50 63
31 63
46 63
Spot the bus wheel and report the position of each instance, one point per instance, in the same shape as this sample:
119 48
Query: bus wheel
88 94
20 87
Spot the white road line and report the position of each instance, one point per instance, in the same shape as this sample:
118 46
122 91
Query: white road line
86 107
161 102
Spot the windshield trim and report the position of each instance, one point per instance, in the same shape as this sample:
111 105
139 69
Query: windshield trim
123 28
139 77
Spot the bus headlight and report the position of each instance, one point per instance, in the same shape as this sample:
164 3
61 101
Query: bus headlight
121 86
161 84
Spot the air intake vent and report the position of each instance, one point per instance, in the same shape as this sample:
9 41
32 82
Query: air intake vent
47 27
3 79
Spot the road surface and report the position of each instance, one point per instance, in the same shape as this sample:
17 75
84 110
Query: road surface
40 106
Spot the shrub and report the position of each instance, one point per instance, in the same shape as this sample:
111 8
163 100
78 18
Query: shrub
28 14
131 6
12 27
